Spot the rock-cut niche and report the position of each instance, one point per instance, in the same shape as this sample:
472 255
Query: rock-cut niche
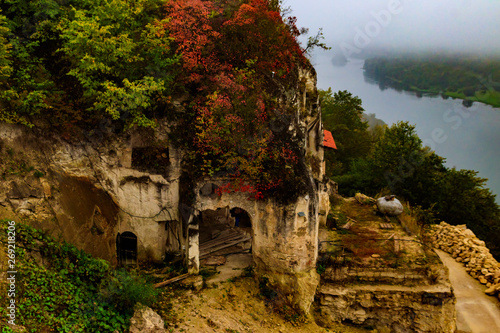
126 249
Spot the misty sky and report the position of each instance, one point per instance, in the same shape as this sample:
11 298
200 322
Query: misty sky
455 25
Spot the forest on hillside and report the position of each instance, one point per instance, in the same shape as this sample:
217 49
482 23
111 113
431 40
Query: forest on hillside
393 160
464 77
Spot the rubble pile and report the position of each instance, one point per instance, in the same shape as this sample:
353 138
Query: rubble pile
463 245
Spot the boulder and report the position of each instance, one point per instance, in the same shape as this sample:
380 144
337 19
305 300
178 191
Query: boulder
193 282
389 205
145 320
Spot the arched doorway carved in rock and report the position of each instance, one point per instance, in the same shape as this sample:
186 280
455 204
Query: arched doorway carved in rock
126 248
224 231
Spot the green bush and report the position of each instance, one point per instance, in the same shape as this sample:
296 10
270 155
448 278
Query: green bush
124 290
70 291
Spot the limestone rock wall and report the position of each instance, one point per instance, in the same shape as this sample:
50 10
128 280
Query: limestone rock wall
284 240
91 190
465 247
395 308
403 299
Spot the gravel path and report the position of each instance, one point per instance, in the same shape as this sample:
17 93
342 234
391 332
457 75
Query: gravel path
476 312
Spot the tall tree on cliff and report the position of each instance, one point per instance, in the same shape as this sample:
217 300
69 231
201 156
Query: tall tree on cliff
342 115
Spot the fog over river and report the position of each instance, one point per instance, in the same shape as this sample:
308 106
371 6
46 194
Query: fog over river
469 138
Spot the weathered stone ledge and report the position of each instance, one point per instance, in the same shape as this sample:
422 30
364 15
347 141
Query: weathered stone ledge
401 309
376 275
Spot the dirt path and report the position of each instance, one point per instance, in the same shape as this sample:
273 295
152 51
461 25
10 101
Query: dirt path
476 312
236 307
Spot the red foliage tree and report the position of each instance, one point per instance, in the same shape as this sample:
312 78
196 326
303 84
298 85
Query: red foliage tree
235 56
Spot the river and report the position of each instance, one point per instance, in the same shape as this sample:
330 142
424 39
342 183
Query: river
469 138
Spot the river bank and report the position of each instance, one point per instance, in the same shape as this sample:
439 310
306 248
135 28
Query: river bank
452 130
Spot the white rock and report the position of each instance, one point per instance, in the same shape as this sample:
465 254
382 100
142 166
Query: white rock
392 207
145 320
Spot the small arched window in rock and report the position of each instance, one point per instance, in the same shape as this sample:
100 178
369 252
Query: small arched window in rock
241 218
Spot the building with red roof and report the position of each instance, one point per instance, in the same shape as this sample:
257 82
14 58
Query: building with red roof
328 141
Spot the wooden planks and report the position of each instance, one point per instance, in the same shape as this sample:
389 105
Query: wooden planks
217 240
233 238
223 245
348 225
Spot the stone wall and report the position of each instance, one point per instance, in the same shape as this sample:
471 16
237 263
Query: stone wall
411 296
380 275
465 247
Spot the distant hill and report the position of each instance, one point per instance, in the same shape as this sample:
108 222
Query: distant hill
473 79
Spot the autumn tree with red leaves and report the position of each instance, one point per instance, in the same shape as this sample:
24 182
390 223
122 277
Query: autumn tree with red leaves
238 59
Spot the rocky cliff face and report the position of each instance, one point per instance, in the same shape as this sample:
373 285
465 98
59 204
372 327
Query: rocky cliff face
89 191
117 196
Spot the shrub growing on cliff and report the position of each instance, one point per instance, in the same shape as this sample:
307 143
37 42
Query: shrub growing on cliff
125 289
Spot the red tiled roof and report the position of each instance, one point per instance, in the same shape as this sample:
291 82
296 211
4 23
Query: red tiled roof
328 140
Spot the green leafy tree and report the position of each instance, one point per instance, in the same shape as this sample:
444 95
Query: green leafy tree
342 115
5 68
401 163
82 61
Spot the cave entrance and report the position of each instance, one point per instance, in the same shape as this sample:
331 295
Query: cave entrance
224 232
126 248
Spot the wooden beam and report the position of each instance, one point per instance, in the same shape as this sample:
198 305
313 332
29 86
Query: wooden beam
172 280
217 241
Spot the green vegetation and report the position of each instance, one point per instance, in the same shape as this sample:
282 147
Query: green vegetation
468 78
393 160
76 62
341 114
15 164
63 289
